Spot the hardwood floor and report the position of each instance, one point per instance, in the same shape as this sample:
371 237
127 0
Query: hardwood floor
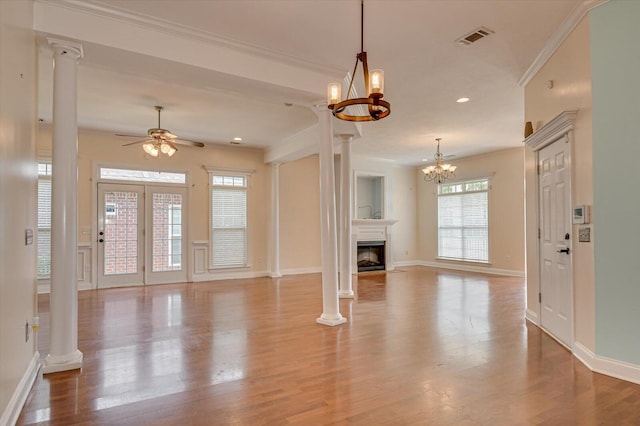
421 346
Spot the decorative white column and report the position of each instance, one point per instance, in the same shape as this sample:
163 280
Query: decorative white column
346 287
275 220
330 301
63 335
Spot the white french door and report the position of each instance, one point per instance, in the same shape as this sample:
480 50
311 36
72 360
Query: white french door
556 292
120 235
141 235
165 241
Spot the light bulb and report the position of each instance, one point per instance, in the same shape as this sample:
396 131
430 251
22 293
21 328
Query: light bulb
334 93
172 149
376 82
151 149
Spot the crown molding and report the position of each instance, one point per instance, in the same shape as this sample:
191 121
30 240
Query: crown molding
558 37
554 129
182 31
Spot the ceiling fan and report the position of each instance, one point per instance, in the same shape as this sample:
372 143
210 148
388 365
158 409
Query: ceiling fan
160 140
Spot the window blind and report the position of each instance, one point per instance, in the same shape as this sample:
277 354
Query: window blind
44 225
228 224
463 224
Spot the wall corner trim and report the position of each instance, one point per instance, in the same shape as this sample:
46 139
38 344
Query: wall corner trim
557 38
610 367
19 397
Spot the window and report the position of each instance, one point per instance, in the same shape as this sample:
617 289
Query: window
142 175
175 235
44 220
228 244
463 221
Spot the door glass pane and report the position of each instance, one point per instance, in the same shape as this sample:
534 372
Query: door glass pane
120 233
167 232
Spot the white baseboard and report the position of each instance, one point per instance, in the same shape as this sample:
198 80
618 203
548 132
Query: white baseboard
300 271
532 316
228 275
19 397
603 365
401 263
468 268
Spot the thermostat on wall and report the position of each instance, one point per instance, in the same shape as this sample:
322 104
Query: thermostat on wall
581 214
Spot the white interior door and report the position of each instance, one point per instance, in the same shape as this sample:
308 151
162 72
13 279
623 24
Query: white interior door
120 235
166 243
556 292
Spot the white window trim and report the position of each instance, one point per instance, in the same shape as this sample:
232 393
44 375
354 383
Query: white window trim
235 172
488 191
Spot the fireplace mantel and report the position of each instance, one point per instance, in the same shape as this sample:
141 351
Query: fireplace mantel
372 230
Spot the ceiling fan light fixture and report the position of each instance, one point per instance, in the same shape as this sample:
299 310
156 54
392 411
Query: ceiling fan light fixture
151 149
171 150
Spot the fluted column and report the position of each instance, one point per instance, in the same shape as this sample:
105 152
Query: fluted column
330 301
346 287
275 220
63 335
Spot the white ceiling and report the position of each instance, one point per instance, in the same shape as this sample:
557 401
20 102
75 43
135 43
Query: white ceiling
412 40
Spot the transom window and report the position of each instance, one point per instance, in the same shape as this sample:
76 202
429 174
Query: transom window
228 243
463 220
142 175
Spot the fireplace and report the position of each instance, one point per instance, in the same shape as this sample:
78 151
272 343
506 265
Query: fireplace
371 256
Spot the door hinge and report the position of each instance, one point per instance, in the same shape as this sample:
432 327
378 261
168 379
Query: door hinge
539 297
539 233
538 168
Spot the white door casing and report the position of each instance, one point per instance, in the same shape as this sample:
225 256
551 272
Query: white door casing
556 288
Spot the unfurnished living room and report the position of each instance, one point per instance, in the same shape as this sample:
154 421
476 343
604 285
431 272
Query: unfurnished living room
265 212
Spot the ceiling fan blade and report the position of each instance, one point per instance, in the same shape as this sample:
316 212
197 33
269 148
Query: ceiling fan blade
131 136
188 142
140 141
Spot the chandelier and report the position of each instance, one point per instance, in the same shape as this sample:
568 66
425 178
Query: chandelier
440 172
374 86
158 146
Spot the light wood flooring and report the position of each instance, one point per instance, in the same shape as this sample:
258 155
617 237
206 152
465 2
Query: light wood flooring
421 347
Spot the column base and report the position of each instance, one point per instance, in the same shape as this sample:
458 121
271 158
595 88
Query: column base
346 294
331 321
57 363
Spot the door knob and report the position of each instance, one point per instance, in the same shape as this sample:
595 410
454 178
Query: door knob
101 240
565 250
101 232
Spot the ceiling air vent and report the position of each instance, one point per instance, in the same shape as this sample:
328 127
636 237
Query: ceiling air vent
474 36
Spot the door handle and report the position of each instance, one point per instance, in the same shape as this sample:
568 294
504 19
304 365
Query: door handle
565 250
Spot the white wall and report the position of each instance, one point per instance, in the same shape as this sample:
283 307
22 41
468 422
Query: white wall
18 177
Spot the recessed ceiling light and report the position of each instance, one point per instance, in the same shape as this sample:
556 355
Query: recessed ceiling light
425 159
237 139
462 100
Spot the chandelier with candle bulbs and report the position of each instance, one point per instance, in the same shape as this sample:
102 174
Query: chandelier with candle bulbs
376 108
439 172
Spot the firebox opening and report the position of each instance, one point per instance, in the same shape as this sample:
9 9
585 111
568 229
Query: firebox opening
371 256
